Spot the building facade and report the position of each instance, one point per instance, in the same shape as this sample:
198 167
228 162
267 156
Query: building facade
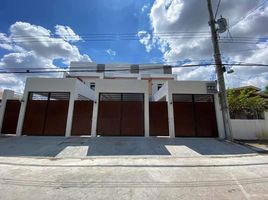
116 100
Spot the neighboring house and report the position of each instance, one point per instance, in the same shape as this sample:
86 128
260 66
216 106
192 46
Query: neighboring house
118 100
255 92
1 95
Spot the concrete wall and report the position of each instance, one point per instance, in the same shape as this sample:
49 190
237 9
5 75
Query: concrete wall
121 86
186 87
75 87
249 129
71 85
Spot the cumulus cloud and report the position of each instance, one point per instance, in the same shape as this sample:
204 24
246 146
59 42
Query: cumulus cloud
180 31
33 46
66 33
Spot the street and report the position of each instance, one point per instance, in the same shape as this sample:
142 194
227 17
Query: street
237 176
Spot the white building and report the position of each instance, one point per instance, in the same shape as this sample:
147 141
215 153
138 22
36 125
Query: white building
116 100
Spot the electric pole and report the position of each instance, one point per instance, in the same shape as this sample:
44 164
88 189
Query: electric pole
220 76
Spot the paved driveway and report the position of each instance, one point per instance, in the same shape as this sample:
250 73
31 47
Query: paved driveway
117 146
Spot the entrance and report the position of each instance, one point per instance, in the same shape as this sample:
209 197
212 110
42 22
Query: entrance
121 114
194 115
46 114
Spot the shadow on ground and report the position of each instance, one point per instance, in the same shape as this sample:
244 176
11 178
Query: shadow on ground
117 146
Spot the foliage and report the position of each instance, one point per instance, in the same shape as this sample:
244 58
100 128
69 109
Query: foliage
245 102
266 89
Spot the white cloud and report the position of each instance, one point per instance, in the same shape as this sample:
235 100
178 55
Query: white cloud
11 81
111 52
144 8
180 31
66 33
146 39
34 46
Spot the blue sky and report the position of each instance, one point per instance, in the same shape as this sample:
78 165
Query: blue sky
150 23
87 17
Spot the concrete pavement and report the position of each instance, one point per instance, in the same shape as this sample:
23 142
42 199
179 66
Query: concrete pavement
129 168
77 147
238 177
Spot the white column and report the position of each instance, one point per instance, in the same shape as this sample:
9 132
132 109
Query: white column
146 115
95 115
70 115
219 117
22 113
171 125
7 94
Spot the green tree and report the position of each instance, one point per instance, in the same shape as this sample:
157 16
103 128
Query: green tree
266 89
245 102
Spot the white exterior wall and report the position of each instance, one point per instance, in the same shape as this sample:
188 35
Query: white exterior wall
155 85
75 87
186 87
249 129
71 85
121 86
195 87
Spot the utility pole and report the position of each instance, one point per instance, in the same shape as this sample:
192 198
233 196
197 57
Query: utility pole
220 76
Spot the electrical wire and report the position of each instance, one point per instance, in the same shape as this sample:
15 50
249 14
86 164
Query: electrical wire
219 2
85 69
248 14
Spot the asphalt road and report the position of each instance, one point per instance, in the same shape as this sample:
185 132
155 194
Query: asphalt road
217 177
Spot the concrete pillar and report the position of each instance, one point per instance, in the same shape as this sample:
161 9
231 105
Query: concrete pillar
219 116
22 113
171 125
7 94
95 116
70 115
146 115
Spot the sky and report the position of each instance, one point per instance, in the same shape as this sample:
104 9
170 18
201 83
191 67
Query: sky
49 34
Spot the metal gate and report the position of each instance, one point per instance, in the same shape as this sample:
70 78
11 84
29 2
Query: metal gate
206 123
46 114
194 115
158 115
11 117
121 114
82 117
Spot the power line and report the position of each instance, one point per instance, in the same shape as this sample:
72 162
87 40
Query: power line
219 2
248 14
85 69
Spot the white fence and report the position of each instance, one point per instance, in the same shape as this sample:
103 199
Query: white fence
250 129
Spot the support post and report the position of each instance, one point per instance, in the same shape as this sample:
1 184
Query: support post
220 76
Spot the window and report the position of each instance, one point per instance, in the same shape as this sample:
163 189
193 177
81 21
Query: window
134 69
100 68
159 86
92 86
167 69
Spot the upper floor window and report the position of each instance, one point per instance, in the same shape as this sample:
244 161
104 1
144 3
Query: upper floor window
167 69
100 68
92 86
159 86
